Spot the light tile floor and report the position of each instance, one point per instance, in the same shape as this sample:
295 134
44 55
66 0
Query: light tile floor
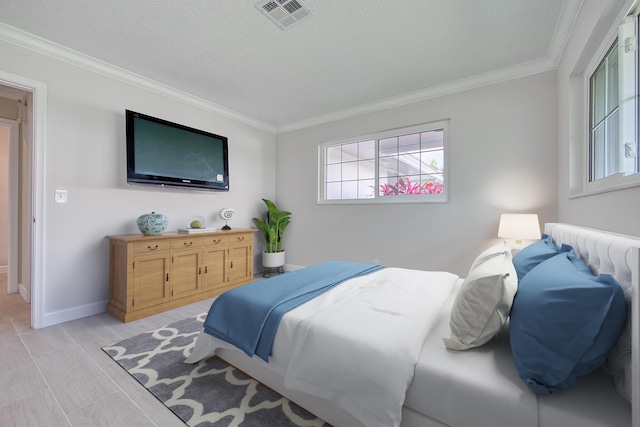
59 376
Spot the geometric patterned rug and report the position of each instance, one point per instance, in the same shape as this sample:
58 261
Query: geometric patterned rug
209 393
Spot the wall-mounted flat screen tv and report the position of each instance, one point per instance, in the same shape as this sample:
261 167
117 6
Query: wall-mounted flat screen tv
167 154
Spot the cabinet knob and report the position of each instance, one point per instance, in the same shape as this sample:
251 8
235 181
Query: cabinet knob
188 244
216 240
241 238
152 248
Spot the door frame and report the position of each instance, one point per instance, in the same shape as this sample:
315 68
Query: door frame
37 115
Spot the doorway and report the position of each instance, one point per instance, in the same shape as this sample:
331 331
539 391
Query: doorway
15 233
26 187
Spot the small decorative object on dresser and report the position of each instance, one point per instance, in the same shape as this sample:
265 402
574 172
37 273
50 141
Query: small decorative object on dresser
196 222
226 214
152 224
196 225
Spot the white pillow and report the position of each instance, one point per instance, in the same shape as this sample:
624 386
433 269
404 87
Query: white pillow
483 303
487 254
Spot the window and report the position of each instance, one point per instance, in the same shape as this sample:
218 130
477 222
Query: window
612 160
402 165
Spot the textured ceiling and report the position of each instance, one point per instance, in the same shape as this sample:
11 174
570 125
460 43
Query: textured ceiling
347 56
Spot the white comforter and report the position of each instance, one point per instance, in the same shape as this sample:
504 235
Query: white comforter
357 344
360 350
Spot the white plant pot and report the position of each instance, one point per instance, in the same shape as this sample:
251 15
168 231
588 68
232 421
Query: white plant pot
272 259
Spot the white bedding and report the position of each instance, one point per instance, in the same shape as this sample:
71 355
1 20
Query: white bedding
389 313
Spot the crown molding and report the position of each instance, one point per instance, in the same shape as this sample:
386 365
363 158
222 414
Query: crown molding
46 47
450 88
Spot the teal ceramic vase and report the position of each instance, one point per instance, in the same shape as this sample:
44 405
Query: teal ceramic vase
152 224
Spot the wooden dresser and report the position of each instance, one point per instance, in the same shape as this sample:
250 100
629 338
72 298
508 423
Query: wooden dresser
151 274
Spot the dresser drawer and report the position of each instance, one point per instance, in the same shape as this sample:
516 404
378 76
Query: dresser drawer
241 238
151 246
186 243
216 240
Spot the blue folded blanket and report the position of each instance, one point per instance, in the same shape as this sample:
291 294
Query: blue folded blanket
248 316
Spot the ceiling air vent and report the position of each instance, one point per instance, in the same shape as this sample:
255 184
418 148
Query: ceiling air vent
284 13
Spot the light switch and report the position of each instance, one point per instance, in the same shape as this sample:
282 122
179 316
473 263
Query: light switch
60 196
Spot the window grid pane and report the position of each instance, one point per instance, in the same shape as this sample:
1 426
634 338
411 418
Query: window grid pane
367 169
334 173
366 189
334 155
350 171
350 190
367 150
333 191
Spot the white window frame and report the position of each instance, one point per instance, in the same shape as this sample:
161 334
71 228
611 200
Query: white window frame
628 107
377 199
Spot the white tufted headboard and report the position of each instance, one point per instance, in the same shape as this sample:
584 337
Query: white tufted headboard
618 255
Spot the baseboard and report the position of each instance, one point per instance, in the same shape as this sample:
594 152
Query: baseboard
286 267
24 293
61 316
292 267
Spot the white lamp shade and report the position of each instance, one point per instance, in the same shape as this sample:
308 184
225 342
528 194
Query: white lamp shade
519 227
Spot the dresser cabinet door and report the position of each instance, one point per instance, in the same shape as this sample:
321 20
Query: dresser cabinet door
151 280
215 268
187 270
240 262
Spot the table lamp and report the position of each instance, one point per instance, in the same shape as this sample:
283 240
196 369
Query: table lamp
519 227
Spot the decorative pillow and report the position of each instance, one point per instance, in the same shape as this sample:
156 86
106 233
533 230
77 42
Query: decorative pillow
564 322
533 255
498 249
482 305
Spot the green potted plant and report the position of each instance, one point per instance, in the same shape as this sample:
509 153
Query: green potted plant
272 228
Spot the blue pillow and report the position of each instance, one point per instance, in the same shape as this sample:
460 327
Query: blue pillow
533 255
564 322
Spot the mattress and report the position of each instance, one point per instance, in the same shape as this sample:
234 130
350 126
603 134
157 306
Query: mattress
477 387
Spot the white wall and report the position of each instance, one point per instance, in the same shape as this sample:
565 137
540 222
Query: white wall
502 159
85 155
617 210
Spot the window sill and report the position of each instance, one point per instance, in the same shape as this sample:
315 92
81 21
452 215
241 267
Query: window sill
385 201
622 184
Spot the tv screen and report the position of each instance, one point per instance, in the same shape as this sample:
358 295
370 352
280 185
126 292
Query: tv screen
167 154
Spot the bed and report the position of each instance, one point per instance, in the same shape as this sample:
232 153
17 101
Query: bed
479 386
